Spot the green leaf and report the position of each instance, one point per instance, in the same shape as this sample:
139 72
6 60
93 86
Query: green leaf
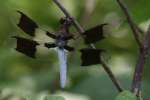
126 95
30 98
54 98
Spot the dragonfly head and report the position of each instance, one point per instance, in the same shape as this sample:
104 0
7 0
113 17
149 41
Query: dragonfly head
65 21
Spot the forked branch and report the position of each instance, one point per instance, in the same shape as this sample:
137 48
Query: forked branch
144 46
137 79
133 26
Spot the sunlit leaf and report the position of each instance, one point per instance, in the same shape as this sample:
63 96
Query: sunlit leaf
54 98
126 95
30 98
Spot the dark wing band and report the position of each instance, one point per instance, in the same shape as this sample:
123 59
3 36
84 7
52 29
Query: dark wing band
90 56
50 45
51 35
27 24
69 48
94 34
68 37
26 46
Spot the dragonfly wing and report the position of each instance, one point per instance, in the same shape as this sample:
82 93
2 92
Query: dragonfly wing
27 24
90 56
26 46
69 37
94 34
69 48
63 66
50 45
51 35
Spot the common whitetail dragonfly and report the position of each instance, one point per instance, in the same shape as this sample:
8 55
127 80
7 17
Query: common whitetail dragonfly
89 56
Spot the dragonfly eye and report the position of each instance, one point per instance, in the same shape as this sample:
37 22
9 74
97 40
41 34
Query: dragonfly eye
66 21
62 20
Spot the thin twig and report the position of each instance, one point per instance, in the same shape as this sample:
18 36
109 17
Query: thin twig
112 76
130 21
81 30
136 84
143 49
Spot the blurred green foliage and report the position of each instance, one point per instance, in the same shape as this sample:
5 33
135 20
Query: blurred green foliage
54 98
126 95
21 76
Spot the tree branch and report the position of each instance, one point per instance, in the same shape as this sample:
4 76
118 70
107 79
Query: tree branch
112 77
81 30
136 84
143 49
133 26
138 29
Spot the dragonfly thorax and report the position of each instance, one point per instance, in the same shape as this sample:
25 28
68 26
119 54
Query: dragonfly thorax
61 41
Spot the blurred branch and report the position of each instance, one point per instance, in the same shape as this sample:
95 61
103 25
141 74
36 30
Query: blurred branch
133 26
144 46
112 77
138 29
137 79
147 39
81 30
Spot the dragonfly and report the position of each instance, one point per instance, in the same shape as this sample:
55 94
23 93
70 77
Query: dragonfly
61 38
